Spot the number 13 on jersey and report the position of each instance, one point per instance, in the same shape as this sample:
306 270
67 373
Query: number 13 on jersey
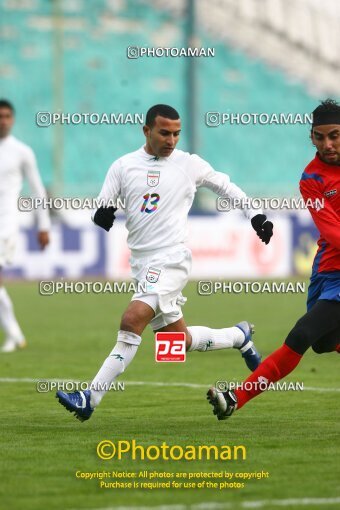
150 200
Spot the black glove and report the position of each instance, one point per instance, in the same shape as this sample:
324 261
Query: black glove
104 217
262 227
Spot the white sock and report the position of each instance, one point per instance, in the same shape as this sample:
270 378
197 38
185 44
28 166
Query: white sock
8 321
115 364
206 339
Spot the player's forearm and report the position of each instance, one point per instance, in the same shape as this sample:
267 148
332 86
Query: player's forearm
238 198
42 214
104 215
38 191
43 220
221 185
242 201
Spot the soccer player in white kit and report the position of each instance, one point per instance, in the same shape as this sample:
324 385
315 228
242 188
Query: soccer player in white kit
17 162
158 184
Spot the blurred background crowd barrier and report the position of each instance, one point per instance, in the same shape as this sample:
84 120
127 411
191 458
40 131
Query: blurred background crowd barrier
71 56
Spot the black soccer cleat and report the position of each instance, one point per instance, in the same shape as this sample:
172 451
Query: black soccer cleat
224 402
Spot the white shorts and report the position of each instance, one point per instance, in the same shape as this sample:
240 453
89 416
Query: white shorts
7 250
163 276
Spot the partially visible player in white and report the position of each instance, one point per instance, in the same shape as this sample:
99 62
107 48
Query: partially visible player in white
158 185
17 162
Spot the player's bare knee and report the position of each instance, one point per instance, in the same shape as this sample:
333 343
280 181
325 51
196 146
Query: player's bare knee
130 322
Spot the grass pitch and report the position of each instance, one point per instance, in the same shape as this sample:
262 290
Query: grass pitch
292 435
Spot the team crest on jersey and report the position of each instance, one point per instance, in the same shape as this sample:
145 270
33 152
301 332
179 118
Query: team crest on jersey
153 177
330 193
153 274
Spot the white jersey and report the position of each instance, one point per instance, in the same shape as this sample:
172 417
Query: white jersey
17 161
158 194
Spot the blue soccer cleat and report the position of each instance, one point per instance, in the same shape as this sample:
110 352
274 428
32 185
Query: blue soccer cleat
77 402
248 349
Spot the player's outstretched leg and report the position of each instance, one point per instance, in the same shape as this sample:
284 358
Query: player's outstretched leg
83 403
238 337
319 322
279 364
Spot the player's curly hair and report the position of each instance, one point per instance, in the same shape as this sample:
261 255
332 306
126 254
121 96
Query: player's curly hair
328 105
328 112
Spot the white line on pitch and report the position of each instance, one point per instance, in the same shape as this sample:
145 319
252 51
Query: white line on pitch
145 383
243 504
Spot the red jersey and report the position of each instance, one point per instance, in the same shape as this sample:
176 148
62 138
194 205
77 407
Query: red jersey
321 182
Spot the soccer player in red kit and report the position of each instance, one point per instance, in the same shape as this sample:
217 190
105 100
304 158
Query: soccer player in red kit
319 328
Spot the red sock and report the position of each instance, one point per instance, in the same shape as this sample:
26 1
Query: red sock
278 364
337 348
